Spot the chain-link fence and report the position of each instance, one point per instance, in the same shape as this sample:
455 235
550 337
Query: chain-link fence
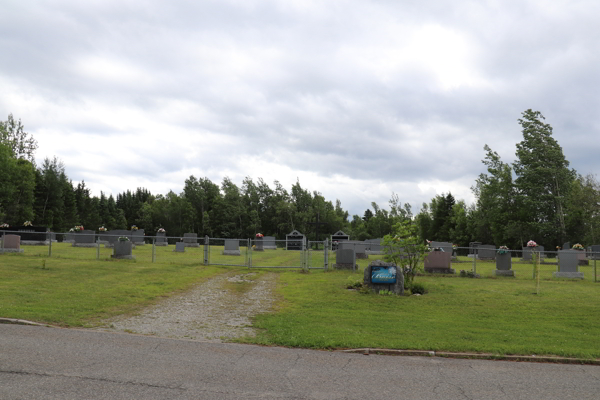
267 252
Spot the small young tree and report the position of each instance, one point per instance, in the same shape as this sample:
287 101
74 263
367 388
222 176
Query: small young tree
404 248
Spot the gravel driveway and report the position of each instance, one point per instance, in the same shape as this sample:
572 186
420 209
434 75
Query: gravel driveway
216 310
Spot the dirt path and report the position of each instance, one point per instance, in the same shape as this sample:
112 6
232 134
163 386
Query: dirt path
220 308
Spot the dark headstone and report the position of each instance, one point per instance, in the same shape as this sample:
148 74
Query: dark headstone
473 248
345 259
568 261
338 237
504 264
387 270
294 240
595 252
486 252
438 262
137 237
84 239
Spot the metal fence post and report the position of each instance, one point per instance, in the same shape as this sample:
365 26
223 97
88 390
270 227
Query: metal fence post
474 260
50 246
595 270
326 254
206 249
153 249
98 249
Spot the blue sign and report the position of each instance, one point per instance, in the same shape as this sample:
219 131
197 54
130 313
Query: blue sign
383 274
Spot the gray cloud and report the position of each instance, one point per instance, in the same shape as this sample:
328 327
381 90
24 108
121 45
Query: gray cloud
356 99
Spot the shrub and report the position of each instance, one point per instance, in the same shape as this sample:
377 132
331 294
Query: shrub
418 288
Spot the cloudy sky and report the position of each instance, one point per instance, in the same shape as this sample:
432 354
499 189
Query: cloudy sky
355 99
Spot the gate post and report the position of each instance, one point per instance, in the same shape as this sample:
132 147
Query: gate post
326 254
206 249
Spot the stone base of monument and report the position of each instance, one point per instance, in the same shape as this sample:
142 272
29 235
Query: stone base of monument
570 275
504 272
84 245
231 253
345 266
362 256
434 270
34 243
396 287
580 262
11 250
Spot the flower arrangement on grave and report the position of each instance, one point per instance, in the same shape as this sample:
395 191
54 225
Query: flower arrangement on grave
102 229
4 226
259 235
531 243
134 228
27 223
577 246
503 250
161 230
557 248
123 239
76 228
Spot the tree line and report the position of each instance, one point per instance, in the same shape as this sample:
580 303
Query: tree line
536 197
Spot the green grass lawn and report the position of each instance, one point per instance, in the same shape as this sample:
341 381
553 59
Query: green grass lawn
315 310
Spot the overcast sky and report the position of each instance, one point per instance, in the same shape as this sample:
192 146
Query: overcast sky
355 99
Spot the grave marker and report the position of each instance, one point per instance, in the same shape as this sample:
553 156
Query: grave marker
11 244
345 259
568 262
438 262
190 240
294 240
232 247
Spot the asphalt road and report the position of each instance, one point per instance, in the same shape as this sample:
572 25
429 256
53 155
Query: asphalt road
52 363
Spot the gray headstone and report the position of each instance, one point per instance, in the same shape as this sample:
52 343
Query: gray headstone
527 254
232 247
269 243
137 237
112 236
568 261
84 239
566 246
374 246
191 240
161 239
486 252
180 247
122 250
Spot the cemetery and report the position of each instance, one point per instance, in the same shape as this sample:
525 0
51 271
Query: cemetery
512 268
